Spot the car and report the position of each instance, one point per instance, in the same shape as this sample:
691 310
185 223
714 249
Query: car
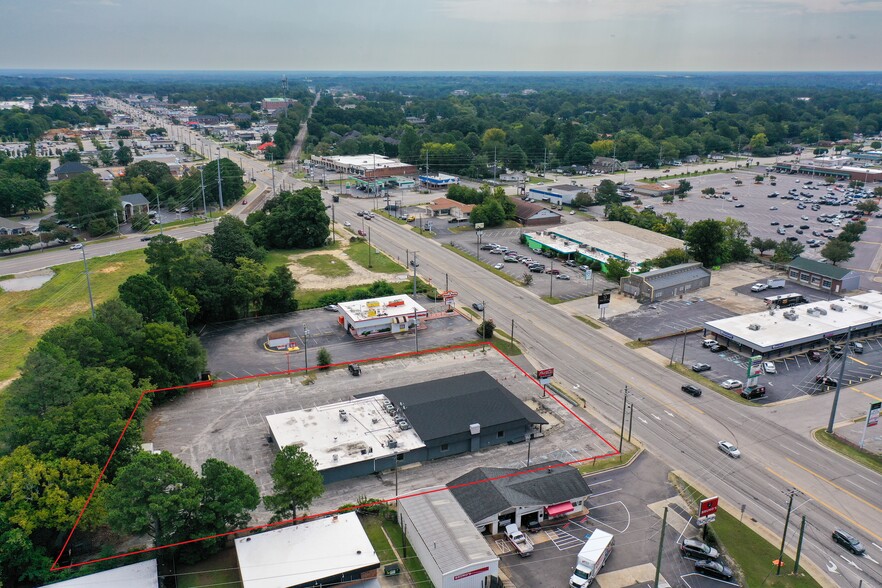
758 287
497 251
537 269
753 393
479 306
183 209
788 225
410 218
332 308
499 266
572 212
804 227
510 259
825 380
836 351
739 205
76 246
487 247
354 369
773 208
697 549
856 347
562 277
729 449
713 569
361 233
799 231
708 343
848 541
775 223
792 238
731 384
347 224
570 263
769 367
718 348
553 271
414 263
244 202
147 238
700 367
691 389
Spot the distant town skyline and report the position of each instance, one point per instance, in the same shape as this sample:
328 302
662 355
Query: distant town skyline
443 35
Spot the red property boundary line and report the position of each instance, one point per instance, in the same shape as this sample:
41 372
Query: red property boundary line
470 346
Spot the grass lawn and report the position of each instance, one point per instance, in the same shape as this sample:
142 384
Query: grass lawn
380 262
392 218
310 298
27 315
374 527
552 299
222 569
752 554
861 456
279 257
606 463
326 265
589 321
424 233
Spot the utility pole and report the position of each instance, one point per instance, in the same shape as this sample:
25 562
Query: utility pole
799 546
416 325
630 419
838 384
661 544
370 264
622 431
202 184
88 282
551 280
220 185
791 492
333 226
306 348
683 354
159 213
273 169
414 273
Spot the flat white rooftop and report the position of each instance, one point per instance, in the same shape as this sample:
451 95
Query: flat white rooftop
776 331
362 431
367 162
304 553
613 238
400 305
139 575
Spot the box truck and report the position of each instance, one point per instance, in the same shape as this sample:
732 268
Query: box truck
592 558
523 544
776 282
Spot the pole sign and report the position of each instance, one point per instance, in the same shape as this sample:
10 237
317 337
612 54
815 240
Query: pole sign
873 415
479 226
707 510
603 299
544 376
587 274
755 366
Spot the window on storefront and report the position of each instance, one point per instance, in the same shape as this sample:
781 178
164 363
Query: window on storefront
816 280
827 284
794 274
803 277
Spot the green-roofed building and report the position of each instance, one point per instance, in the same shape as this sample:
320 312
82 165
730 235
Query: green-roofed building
823 276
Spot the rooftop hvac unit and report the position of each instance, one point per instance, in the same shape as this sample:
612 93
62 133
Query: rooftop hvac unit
836 307
791 316
404 425
863 306
336 457
343 416
475 429
392 444
820 311
754 327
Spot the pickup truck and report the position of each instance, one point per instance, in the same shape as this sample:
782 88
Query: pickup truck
521 542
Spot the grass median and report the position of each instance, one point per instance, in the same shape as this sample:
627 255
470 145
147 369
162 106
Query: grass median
849 450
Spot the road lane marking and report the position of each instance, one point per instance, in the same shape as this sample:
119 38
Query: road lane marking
788 449
825 505
835 485
852 358
870 481
655 417
669 413
856 389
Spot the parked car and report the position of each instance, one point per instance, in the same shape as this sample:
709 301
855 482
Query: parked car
347 224
758 287
714 569
552 271
825 380
729 449
332 308
769 367
856 347
753 393
361 233
700 367
848 541
499 266
731 384
836 351
691 389
708 343
562 277
814 355
354 369
717 347
697 549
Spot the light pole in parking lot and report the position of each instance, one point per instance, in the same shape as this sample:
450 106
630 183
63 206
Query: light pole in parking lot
306 348
622 430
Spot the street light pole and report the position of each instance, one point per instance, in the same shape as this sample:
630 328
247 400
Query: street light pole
306 348
88 282
622 430
220 185
838 383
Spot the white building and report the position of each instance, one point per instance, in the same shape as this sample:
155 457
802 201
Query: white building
443 536
329 551
139 575
389 314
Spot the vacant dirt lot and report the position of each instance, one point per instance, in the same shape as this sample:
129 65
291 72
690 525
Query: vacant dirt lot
309 279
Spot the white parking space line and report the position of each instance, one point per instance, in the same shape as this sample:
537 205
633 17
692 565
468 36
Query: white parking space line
604 493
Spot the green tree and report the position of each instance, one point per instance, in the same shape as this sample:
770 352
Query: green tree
279 296
668 198
758 142
616 269
410 146
69 156
232 240
583 199
324 358
19 193
527 278
151 299
607 193
33 168
514 157
705 241
867 206
249 284
124 155
296 483
581 153
709 191
763 245
786 251
671 257
293 220
168 357
759 179
837 250
683 187
162 254
86 198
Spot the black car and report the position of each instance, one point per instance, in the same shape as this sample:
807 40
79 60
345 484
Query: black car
697 549
479 306
775 223
700 367
788 225
754 393
691 389
825 380
717 348
836 351
354 369
848 541
147 238
713 569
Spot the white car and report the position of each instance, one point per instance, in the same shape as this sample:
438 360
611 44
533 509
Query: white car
759 287
76 246
729 449
347 224
732 384
499 266
769 367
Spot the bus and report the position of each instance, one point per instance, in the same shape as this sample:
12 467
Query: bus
784 300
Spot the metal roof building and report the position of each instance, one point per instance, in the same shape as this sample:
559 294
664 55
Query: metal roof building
776 333
660 284
823 276
451 550
329 551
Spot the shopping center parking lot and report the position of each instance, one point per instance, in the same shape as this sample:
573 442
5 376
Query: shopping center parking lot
753 207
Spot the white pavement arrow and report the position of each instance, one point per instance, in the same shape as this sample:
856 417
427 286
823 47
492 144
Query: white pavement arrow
642 420
655 417
871 559
877 547
832 567
851 563
670 414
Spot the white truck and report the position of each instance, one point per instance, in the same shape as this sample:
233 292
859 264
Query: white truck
521 542
592 558
773 283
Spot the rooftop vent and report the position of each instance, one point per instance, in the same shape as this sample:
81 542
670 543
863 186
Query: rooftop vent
836 307
754 327
791 316
863 306
343 416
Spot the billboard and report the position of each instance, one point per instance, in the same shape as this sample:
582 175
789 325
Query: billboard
708 506
603 298
873 415
755 366
545 374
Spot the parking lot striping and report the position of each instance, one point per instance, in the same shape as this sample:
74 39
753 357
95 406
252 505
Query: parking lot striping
683 577
627 525
853 358
602 493
503 546
871 482
835 485
601 482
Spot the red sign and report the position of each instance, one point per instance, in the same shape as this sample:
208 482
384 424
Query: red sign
708 506
472 573
545 374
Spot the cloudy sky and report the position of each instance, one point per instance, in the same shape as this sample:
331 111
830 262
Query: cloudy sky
427 35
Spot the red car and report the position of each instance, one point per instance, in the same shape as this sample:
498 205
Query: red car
244 202
362 233
552 271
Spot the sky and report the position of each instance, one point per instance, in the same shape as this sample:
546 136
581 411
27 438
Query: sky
442 35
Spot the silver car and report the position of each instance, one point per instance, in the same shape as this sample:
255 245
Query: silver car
729 449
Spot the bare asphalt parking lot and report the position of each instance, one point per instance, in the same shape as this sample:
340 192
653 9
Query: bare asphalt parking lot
619 504
754 207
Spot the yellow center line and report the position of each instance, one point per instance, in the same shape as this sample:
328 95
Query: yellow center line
825 505
856 389
852 358
835 485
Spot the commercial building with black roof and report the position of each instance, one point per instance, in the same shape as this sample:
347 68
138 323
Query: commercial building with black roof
495 497
664 283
